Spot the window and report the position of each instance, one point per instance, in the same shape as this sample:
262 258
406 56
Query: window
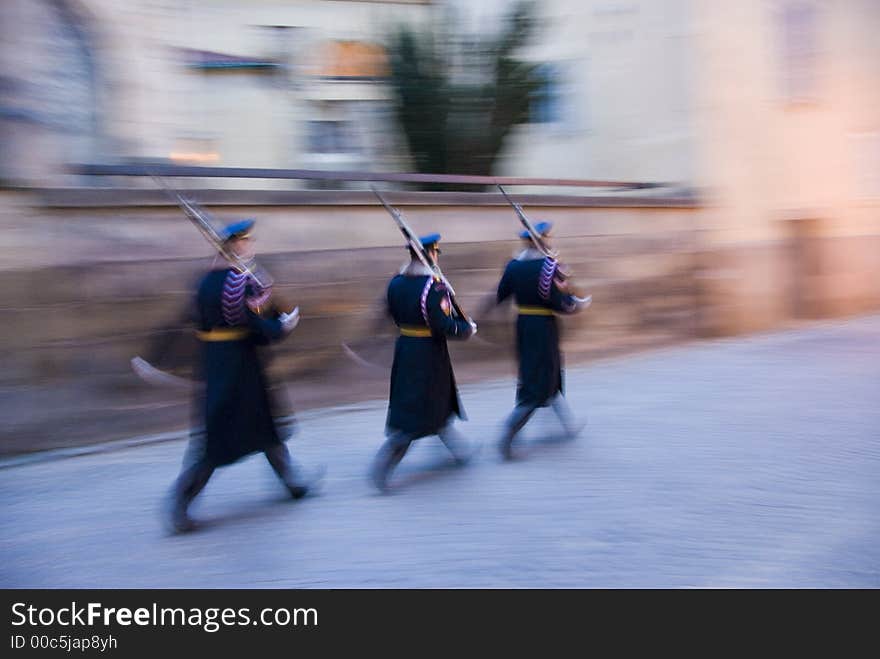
331 137
560 100
545 102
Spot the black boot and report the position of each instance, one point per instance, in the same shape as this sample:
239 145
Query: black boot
305 484
295 482
179 520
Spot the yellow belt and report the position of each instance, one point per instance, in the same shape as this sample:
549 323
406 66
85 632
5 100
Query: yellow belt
224 334
414 330
535 311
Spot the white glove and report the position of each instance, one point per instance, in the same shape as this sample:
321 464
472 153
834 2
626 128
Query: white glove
289 320
473 326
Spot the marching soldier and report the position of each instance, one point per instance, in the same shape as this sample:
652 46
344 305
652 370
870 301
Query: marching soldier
423 394
540 293
235 404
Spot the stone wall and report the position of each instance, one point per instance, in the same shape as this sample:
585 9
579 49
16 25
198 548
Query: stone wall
90 281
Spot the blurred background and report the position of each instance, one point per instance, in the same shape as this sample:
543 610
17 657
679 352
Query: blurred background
712 169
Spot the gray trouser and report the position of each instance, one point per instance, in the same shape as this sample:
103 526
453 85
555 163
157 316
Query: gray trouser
395 447
197 471
522 413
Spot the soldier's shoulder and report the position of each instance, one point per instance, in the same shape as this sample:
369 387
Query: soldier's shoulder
517 266
211 278
396 285
396 280
438 289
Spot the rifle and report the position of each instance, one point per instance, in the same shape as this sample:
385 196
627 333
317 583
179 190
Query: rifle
205 224
563 271
533 234
412 240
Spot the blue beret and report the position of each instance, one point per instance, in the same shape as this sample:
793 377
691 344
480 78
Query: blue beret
237 229
543 228
429 240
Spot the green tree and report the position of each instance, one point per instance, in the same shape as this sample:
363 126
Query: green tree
458 98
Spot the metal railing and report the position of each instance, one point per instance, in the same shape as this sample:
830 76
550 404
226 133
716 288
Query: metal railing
172 170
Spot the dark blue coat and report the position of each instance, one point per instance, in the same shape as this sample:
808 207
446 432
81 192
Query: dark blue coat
531 283
423 394
236 406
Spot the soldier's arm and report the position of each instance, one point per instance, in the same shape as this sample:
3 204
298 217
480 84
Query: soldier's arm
383 320
173 336
562 301
505 289
440 316
265 330
493 298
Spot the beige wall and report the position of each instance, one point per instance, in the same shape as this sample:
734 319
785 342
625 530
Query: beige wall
626 93
776 166
765 157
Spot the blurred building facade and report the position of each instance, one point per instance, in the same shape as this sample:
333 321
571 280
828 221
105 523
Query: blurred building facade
724 97
257 84
787 94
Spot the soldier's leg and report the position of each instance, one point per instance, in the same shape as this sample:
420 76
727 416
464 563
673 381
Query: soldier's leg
189 483
389 456
283 465
195 448
457 444
566 417
514 423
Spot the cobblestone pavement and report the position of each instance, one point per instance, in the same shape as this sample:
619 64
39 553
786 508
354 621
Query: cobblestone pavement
737 463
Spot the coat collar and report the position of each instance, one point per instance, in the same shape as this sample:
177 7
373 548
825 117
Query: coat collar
415 269
529 254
